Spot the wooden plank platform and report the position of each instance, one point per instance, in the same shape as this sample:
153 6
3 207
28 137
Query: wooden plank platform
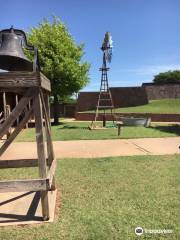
19 208
12 80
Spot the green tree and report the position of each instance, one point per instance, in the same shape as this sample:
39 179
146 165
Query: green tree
60 59
167 77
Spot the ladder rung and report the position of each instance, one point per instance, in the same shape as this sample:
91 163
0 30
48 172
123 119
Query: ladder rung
103 99
105 93
105 106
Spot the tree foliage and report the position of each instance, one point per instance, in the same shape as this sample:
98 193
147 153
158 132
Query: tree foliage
60 57
167 77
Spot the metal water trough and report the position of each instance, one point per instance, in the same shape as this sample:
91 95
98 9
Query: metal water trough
136 121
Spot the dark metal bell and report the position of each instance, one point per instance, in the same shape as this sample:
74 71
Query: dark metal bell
12 57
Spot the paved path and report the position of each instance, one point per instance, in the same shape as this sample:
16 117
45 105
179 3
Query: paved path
98 148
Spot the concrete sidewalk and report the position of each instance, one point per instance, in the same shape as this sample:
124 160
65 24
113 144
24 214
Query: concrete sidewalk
98 148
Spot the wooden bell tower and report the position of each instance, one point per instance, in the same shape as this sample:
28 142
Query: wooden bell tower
35 89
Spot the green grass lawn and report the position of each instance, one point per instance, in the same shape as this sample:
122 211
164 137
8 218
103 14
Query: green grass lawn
80 131
154 106
106 198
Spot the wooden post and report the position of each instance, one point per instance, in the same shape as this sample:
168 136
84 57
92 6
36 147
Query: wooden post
17 100
47 104
6 112
4 103
104 120
46 108
41 152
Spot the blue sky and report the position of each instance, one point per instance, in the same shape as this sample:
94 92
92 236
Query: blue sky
146 34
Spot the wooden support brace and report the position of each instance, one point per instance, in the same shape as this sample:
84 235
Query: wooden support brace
15 132
16 112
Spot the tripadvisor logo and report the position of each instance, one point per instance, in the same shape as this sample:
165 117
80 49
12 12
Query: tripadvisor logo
139 231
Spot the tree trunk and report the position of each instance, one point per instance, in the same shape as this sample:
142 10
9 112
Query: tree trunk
56 117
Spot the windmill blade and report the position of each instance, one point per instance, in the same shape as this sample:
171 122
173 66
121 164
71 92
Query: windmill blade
110 41
109 55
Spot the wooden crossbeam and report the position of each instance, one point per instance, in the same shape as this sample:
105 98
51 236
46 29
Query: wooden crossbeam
18 163
21 163
24 185
29 94
45 83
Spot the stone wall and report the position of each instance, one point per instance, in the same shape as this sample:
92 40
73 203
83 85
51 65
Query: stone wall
160 91
122 97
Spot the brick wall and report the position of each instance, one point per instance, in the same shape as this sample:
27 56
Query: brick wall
155 117
122 97
160 91
87 101
64 110
128 96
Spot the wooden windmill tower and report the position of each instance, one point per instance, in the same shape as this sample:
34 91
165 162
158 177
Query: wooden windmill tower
105 102
25 80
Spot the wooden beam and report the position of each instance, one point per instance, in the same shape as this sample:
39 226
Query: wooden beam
29 94
40 135
41 152
17 100
24 185
45 106
12 90
19 79
16 131
18 163
4 104
45 83
22 79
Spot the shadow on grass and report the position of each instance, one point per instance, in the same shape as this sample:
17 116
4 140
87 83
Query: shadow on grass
175 129
57 124
69 126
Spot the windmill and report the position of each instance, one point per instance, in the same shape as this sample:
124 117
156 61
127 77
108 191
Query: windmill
105 101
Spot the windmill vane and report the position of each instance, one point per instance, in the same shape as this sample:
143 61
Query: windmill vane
107 44
107 47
